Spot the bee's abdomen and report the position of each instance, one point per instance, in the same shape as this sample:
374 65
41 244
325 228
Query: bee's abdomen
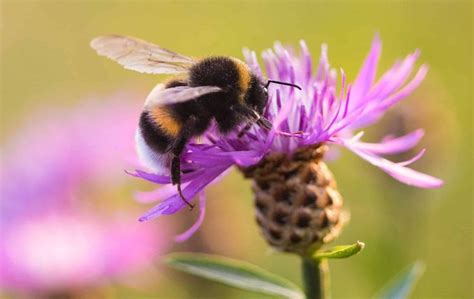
155 136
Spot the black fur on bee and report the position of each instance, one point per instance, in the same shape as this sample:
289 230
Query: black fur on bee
168 129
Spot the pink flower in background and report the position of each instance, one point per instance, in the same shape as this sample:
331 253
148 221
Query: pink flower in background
66 250
54 168
56 148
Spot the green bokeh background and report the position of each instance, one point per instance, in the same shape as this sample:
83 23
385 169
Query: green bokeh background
46 60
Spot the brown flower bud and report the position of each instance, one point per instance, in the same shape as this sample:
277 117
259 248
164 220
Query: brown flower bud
298 207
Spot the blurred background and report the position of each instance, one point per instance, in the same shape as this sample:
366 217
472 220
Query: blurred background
47 65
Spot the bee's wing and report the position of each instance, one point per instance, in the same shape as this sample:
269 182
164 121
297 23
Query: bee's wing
164 96
141 56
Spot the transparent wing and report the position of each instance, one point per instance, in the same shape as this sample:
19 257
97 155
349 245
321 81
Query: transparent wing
141 56
164 96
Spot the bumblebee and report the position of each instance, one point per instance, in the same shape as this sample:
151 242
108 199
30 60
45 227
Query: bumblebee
220 88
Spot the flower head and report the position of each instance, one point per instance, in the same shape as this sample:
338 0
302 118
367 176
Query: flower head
325 111
52 238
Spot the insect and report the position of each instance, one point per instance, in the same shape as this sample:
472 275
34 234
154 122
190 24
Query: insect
217 88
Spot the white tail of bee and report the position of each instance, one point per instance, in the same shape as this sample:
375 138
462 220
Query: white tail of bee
151 160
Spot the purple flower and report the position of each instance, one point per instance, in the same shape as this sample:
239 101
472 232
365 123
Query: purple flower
52 239
325 111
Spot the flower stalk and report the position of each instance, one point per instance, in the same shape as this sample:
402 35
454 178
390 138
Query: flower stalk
316 281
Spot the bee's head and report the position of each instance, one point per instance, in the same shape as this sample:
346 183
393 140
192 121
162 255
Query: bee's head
257 94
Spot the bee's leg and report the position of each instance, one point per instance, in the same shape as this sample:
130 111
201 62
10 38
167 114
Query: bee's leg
176 149
253 116
245 129
264 123
176 178
246 112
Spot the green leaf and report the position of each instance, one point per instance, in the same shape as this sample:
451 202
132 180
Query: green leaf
340 252
404 283
234 273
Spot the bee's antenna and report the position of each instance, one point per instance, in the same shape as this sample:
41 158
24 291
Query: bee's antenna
282 83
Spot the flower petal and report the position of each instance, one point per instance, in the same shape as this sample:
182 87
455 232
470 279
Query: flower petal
202 212
164 179
414 159
365 78
173 204
375 111
155 195
251 59
395 77
397 171
392 146
407 89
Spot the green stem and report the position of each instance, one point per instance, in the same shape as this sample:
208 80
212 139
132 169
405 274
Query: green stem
316 278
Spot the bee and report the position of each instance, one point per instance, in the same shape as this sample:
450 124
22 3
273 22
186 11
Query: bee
218 88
